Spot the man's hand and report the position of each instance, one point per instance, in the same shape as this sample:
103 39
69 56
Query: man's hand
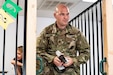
69 62
57 61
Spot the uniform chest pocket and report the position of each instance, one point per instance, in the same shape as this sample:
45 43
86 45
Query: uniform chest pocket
71 40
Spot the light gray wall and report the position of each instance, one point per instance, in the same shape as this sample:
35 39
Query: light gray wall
42 22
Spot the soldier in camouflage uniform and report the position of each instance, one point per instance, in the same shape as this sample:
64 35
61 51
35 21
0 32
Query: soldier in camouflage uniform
67 39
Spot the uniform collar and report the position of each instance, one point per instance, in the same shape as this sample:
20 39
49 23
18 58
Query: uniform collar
56 29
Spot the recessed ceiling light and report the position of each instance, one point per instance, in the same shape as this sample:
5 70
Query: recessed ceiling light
89 0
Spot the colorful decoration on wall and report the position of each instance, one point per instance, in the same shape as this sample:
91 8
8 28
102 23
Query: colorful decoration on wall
5 19
7 12
11 8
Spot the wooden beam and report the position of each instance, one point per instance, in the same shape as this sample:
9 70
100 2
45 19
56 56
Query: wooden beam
108 34
31 37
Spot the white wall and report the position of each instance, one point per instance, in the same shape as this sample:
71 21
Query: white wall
43 22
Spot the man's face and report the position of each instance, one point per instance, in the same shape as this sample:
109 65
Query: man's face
62 17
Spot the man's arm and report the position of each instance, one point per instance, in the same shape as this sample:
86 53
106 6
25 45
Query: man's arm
83 49
41 48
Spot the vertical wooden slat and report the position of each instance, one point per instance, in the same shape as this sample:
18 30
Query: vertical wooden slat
31 38
105 34
108 35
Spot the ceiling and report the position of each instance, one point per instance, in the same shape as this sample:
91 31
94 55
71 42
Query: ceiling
45 8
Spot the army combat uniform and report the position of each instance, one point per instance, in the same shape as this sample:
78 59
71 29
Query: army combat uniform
69 41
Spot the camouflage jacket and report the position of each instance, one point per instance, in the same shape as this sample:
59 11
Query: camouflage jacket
69 41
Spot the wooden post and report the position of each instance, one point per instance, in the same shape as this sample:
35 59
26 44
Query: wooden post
31 37
108 34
